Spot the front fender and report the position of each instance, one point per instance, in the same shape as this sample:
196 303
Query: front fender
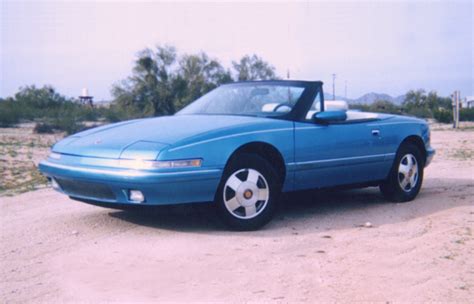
216 149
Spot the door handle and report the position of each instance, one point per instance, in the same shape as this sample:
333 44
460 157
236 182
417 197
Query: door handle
376 132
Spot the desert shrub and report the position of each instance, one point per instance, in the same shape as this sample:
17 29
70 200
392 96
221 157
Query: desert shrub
113 116
68 123
443 116
379 106
359 106
446 116
117 113
63 122
52 111
55 112
421 112
86 113
44 128
9 114
384 106
466 114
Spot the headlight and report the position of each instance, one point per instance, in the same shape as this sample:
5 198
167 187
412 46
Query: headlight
158 164
54 155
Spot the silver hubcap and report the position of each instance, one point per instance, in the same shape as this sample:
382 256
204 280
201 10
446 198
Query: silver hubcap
246 193
408 172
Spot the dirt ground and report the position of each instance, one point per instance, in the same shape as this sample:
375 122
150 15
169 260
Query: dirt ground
317 249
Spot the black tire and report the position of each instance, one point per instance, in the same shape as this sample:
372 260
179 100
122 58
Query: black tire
240 167
392 188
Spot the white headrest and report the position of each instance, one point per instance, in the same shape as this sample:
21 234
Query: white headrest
272 107
269 107
335 105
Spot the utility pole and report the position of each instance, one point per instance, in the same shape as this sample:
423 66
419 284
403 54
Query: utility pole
458 106
453 103
333 86
456 98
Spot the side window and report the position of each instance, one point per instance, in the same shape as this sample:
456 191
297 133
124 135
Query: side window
315 107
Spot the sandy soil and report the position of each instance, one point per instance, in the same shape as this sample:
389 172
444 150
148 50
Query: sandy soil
57 250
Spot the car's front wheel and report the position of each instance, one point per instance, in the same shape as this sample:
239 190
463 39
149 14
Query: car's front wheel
405 178
248 193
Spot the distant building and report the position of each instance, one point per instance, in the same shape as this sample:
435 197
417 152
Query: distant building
468 102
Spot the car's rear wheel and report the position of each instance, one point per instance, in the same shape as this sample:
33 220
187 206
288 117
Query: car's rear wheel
406 176
247 195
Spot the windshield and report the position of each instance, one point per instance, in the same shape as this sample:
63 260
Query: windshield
247 99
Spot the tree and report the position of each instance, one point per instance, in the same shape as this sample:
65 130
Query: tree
40 98
435 102
9 114
414 100
420 104
253 68
149 91
198 74
163 82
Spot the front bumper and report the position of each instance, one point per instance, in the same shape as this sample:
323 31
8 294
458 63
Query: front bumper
112 185
430 153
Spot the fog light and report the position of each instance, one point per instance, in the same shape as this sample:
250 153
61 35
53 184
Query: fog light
55 184
136 196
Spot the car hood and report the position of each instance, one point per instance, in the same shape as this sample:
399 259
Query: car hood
144 138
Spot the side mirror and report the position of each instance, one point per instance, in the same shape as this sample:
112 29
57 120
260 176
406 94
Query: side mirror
327 117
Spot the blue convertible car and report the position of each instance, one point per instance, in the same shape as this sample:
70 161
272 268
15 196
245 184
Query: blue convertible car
240 146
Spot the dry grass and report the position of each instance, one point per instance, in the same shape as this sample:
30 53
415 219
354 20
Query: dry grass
20 152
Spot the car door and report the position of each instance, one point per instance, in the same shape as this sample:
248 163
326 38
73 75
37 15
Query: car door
344 153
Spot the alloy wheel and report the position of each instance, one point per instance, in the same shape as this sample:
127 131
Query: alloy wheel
246 193
408 172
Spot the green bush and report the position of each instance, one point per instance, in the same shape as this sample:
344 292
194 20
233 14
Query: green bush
9 115
85 113
420 112
384 106
359 106
44 128
446 116
68 123
54 112
466 114
63 122
116 113
379 106
443 116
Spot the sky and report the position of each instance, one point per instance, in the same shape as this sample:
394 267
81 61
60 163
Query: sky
373 46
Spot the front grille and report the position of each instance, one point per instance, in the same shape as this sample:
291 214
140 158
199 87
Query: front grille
86 189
